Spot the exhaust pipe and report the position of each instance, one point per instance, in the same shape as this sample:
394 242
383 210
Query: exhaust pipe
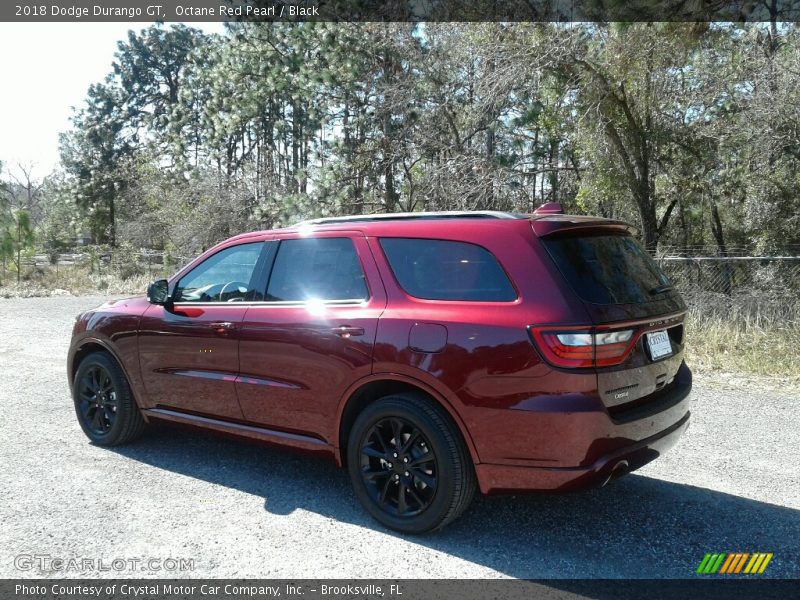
617 471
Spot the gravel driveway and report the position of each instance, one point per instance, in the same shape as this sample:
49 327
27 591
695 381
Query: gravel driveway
241 510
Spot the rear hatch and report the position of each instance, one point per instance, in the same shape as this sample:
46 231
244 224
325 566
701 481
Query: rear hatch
636 338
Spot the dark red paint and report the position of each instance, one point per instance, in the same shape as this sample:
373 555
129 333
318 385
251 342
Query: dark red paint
286 373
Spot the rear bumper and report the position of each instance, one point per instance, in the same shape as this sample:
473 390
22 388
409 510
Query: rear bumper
587 448
495 479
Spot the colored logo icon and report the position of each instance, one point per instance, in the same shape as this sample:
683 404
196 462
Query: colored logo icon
734 562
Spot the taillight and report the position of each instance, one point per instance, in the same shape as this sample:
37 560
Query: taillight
583 347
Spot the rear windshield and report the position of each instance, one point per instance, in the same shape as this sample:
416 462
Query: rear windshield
608 269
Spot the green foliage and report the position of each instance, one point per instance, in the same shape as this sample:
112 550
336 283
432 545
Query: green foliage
129 113
126 262
689 130
16 238
61 220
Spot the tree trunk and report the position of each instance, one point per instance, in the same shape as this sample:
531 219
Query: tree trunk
649 228
112 221
553 170
684 229
19 249
359 173
534 152
295 146
716 230
388 158
388 167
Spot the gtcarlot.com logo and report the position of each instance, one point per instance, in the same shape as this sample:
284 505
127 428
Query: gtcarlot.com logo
50 563
731 563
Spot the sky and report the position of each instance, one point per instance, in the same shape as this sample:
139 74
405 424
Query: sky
45 70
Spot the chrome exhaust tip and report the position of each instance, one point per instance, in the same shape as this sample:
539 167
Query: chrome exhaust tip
617 471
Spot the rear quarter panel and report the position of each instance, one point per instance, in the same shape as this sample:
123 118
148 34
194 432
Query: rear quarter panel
488 364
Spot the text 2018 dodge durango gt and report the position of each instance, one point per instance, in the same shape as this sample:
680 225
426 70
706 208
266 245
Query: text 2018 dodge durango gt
429 353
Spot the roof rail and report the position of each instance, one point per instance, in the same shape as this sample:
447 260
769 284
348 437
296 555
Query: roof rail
409 216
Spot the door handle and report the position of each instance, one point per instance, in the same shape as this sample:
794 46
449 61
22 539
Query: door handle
346 331
221 326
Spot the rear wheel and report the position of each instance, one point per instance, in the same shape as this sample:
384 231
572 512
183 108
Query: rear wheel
104 404
408 464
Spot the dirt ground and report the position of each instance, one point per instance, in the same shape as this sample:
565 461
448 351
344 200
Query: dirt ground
233 509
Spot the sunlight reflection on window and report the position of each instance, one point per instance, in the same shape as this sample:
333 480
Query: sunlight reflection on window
315 306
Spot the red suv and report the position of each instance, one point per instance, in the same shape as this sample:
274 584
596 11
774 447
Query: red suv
427 352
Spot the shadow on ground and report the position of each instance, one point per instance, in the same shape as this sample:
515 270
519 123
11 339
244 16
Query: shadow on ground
636 527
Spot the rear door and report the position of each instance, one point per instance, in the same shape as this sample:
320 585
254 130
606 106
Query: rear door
314 334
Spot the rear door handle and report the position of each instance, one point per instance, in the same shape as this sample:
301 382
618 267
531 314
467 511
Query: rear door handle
221 326
346 331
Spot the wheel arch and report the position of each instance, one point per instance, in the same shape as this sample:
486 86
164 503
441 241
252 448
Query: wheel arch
89 346
368 390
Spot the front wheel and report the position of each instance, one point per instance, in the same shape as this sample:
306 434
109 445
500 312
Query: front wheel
408 464
104 403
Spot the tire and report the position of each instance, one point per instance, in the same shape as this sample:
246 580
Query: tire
104 403
409 485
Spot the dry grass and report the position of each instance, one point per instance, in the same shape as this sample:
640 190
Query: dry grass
747 335
75 280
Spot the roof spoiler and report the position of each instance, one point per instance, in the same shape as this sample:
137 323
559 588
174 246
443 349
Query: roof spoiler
554 224
550 208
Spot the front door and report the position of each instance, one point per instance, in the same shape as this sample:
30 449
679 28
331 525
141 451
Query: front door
314 334
188 351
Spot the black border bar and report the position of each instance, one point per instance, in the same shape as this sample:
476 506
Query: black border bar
714 588
400 10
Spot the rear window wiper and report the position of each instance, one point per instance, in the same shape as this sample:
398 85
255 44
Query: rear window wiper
661 289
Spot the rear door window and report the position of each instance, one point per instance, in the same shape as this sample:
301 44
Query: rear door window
608 269
325 269
447 270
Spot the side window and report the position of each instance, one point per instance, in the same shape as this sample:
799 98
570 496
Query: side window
317 269
227 276
447 270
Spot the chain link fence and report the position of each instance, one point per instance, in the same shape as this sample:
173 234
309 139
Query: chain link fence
752 288
124 262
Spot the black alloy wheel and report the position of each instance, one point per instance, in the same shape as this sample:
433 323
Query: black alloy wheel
399 467
408 464
104 403
98 402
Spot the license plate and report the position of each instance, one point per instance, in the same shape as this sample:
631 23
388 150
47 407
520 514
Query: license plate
659 344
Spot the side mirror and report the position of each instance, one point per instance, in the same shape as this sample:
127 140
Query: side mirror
158 292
